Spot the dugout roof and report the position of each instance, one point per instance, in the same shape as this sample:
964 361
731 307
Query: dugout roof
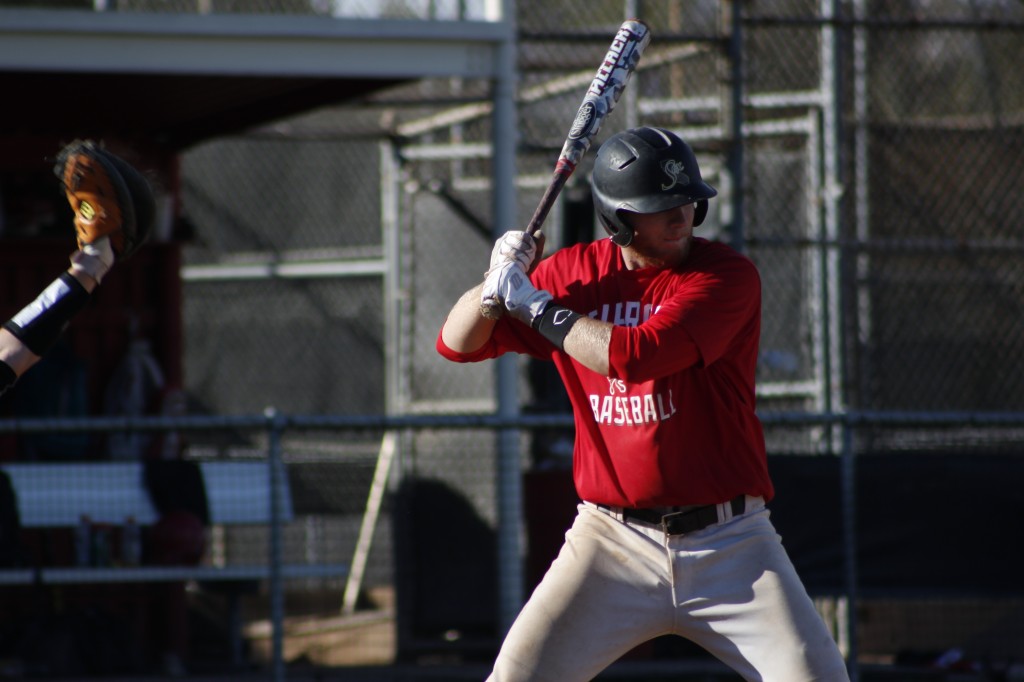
180 79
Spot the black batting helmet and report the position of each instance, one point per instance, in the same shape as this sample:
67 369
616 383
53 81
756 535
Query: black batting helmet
646 170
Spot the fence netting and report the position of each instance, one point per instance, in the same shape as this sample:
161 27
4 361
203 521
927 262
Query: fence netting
875 189
873 172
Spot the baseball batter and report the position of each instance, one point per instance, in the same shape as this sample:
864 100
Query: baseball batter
655 333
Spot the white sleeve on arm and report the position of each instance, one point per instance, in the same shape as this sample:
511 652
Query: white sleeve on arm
39 324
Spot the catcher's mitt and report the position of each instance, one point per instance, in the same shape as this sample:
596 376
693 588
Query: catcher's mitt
109 197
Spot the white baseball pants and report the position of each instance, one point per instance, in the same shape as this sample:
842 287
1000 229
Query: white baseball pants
731 588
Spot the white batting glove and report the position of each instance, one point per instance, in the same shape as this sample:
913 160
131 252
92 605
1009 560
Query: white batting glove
510 285
490 295
94 259
515 245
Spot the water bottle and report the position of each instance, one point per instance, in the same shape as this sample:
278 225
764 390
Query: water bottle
131 543
101 550
83 541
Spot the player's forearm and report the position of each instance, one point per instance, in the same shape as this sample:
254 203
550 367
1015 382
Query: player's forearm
16 357
588 342
466 330
26 337
15 354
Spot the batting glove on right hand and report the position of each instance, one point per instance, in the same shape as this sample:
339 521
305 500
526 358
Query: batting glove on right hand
510 284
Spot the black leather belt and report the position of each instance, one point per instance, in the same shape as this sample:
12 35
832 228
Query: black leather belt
687 520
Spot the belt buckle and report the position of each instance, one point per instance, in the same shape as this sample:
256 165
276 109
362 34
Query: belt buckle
690 520
668 519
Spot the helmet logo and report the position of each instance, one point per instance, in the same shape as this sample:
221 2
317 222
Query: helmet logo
674 170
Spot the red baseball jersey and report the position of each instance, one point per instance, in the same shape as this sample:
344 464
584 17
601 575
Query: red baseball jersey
674 422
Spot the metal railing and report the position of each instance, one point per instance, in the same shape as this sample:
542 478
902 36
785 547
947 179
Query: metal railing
342 9
275 424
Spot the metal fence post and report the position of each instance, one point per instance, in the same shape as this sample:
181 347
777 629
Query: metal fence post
734 52
276 423
509 471
848 485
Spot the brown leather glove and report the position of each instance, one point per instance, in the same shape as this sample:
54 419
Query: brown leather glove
108 196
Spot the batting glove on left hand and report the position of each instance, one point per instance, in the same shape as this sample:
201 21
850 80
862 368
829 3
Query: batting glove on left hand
510 285
516 245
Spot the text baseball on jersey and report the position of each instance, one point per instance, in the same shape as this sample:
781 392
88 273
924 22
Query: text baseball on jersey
617 408
627 410
620 409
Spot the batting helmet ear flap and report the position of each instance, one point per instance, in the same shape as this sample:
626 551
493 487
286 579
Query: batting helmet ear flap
620 233
623 236
700 211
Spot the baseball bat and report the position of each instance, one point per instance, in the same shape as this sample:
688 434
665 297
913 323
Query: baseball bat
619 63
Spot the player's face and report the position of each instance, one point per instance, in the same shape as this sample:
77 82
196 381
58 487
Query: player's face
660 239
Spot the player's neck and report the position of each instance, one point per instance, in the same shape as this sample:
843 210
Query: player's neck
637 259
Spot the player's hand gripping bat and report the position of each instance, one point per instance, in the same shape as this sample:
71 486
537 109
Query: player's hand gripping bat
602 95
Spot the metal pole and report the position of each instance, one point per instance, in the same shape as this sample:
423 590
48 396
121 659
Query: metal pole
831 84
862 198
275 425
509 474
832 189
849 498
735 161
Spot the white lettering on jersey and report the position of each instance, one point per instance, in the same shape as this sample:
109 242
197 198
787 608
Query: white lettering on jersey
616 386
625 314
617 408
621 414
621 410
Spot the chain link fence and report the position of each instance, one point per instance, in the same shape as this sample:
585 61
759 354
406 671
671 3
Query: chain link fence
868 155
873 182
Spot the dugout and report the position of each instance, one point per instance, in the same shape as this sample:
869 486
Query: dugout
189 79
